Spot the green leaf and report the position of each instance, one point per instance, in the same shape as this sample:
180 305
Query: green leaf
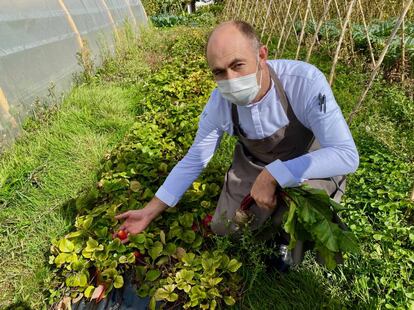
172 297
348 242
337 206
186 219
140 238
166 292
170 248
101 232
214 281
155 250
186 275
135 186
153 303
109 273
289 225
188 259
233 265
197 242
377 236
188 236
75 234
163 260
118 282
66 245
83 279
143 291
326 232
147 194
91 245
87 223
214 292
61 259
327 256
115 245
162 237
229 300
307 214
72 281
152 275
131 258
88 292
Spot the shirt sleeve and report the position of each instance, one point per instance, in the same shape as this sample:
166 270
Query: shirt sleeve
338 154
187 170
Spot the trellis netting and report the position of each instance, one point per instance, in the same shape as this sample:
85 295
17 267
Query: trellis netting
39 42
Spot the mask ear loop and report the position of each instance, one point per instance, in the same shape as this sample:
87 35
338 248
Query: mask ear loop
261 71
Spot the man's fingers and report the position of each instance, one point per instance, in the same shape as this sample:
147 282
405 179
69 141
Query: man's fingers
266 204
122 215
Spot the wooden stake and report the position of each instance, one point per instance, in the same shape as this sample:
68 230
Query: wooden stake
240 6
287 35
371 51
403 51
380 60
341 38
284 26
266 18
325 13
254 14
302 32
339 14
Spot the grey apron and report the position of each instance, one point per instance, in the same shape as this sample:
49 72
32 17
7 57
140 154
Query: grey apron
250 157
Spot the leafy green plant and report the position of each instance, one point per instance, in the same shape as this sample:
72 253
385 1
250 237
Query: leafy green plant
310 217
193 20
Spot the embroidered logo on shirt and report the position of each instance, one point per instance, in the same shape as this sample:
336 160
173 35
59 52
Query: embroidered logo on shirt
322 103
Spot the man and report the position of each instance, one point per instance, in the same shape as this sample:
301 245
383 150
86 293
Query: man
289 126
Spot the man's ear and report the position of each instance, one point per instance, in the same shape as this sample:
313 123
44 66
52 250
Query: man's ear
263 52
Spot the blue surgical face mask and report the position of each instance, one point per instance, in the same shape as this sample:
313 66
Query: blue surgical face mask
242 90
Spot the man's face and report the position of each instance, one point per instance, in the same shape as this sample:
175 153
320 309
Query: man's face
230 54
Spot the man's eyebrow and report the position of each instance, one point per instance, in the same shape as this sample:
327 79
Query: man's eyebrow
233 62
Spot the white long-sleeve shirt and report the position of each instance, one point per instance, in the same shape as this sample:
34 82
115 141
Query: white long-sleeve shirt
303 83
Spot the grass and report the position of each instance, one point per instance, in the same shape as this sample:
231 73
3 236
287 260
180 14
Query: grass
46 167
56 157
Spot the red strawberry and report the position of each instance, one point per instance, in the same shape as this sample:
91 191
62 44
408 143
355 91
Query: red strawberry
207 220
122 234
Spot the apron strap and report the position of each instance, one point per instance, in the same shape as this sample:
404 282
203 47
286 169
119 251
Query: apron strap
280 92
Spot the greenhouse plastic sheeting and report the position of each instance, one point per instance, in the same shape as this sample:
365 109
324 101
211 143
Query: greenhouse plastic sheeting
39 41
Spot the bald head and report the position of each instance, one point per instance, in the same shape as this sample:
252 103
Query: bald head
233 50
234 27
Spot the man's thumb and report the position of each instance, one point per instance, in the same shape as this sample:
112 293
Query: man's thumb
122 215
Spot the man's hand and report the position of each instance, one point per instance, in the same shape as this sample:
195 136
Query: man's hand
264 190
137 220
